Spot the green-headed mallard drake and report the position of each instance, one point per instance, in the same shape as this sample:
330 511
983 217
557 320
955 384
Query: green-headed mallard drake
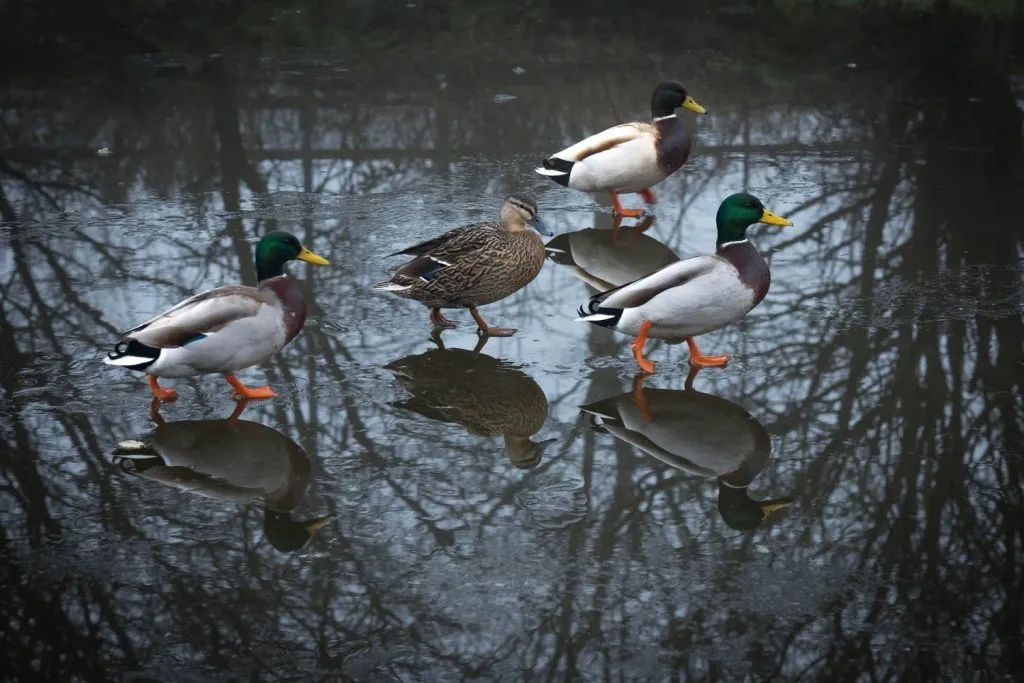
474 265
696 295
485 395
225 329
631 157
605 260
230 460
700 434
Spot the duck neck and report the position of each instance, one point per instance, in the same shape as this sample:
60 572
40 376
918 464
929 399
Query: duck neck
268 264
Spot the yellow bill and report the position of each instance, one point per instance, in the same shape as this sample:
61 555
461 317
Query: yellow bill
770 506
692 105
314 526
773 219
309 257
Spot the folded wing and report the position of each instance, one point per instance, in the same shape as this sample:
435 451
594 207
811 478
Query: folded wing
198 316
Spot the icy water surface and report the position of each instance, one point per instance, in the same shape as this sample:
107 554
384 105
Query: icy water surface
474 522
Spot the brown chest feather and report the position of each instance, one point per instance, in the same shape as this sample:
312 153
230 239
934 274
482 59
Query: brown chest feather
754 271
293 303
673 144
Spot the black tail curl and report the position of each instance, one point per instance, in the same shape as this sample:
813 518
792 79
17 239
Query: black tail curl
562 165
136 349
593 307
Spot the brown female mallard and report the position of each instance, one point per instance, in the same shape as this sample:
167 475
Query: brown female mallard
474 265
485 395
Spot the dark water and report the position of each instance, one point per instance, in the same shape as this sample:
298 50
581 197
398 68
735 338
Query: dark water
479 525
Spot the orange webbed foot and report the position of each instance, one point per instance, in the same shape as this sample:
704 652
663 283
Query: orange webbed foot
630 213
641 399
709 361
161 394
243 392
646 365
441 322
699 360
638 348
618 210
496 331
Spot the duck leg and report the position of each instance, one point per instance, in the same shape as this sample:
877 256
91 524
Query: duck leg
154 413
699 360
486 330
164 395
692 375
638 348
439 320
648 196
244 392
237 412
643 226
619 211
641 399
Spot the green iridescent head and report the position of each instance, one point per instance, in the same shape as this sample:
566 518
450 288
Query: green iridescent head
742 513
287 534
278 248
738 212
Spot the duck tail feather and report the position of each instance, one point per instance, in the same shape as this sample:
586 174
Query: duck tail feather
391 286
132 354
603 317
557 169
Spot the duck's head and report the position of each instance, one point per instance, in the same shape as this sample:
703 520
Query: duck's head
738 212
523 452
669 96
741 512
278 248
287 534
520 211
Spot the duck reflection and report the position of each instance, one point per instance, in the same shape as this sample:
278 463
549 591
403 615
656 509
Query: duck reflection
606 259
230 460
485 395
697 433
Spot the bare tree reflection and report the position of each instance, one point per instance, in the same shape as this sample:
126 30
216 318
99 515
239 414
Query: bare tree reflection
884 366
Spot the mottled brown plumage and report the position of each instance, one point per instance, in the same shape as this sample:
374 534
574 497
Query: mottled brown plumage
485 395
473 265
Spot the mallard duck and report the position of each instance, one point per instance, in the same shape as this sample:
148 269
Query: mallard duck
700 434
696 295
474 265
485 395
631 157
225 329
604 261
230 460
